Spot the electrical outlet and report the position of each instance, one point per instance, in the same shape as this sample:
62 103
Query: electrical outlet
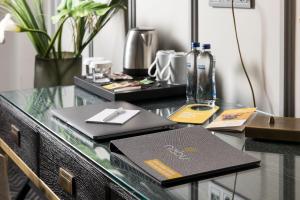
228 3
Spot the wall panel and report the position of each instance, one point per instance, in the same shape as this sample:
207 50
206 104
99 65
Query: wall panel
297 74
171 18
261 37
110 41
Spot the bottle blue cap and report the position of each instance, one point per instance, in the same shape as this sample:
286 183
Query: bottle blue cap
195 44
206 46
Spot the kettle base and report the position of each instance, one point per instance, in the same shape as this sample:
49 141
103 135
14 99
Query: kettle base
136 72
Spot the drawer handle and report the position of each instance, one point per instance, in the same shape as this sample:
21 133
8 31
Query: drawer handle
66 180
15 132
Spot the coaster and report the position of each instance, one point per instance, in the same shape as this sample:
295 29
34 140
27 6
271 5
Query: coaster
194 113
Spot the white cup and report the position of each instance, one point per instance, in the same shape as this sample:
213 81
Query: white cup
176 72
161 61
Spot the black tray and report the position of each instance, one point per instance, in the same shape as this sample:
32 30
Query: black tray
153 92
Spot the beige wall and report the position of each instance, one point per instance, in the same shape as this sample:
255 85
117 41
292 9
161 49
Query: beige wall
16 62
260 31
261 38
110 42
171 18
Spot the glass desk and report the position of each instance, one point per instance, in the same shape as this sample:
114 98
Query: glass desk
277 178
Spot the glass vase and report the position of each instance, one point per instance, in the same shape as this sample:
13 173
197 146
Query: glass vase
56 72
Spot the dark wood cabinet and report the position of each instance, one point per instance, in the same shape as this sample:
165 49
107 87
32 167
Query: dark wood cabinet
48 156
87 182
18 131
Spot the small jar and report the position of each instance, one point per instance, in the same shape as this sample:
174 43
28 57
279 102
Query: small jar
101 70
87 68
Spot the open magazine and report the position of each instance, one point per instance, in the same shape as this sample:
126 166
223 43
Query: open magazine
232 120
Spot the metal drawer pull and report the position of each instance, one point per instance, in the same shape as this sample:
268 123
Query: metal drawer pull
15 132
65 180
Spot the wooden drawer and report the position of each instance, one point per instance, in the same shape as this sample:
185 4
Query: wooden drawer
18 182
16 179
55 157
17 131
47 156
88 183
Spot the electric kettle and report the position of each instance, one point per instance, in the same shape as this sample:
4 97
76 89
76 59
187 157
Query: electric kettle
139 52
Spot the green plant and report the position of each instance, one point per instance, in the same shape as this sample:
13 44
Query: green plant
87 18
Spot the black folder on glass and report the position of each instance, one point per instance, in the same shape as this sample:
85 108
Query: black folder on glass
144 122
180 156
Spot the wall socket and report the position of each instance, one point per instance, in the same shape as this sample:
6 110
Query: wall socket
228 3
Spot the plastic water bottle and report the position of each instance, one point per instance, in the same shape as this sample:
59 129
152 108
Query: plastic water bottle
191 86
206 87
214 87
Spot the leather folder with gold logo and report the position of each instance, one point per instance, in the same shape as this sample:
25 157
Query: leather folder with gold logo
179 156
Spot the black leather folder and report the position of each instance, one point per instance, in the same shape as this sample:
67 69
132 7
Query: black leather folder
180 156
144 122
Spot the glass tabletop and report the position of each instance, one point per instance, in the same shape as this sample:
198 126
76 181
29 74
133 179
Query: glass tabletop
277 178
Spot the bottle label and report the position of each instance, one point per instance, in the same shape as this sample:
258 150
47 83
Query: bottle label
201 66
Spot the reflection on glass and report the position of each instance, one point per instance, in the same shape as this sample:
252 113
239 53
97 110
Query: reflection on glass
38 103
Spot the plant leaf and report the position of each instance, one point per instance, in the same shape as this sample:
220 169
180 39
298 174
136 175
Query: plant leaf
60 16
62 5
69 4
102 12
82 9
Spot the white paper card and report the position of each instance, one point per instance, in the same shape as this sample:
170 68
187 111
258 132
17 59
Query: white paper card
120 119
226 123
